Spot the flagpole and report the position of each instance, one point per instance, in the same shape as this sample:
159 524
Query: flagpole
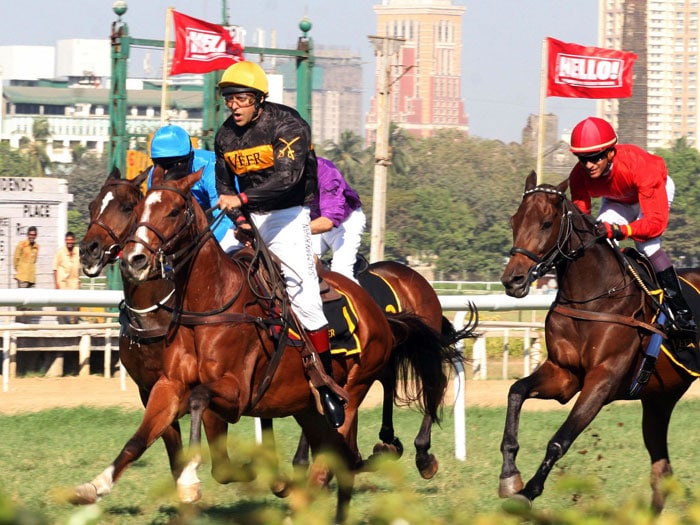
541 125
166 56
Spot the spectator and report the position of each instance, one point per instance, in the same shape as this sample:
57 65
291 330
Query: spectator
25 257
66 273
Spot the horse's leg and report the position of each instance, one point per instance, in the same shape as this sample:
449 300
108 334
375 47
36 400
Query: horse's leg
389 444
426 462
161 411
657 410
172 439
188 484
281 484
300 461
597 389
547 382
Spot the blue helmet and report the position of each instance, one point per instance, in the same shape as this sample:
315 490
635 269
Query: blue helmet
170 142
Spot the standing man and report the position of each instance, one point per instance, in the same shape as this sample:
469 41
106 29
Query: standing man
26 254
337 219
266 165
66 273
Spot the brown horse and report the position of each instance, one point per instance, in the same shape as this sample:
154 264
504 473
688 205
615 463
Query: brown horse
219 349
146 309
597 332
112 220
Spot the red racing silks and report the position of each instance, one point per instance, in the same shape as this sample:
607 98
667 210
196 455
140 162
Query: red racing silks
577 71
201 47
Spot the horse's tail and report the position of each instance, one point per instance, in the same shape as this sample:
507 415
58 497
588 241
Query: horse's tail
450 336
418 361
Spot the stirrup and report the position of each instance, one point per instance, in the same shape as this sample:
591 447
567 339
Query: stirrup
329 404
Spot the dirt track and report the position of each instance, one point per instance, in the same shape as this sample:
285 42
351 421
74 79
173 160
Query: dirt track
35 394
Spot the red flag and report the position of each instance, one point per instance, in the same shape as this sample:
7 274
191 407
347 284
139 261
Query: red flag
588 72
201 47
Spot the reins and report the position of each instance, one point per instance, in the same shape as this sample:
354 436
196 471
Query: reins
562 251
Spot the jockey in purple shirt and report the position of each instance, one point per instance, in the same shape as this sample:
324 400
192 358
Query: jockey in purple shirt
337 220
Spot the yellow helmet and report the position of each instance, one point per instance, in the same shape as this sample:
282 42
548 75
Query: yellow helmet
243 76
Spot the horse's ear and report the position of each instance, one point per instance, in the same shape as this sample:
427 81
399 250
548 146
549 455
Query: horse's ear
563 185
115 174
158 176
531 181
138 180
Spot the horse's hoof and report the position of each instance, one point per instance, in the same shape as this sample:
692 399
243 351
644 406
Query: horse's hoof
189 493
392 450
517 504
510 486
427 465
281 487
85 494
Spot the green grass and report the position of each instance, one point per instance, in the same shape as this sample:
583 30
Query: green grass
605 473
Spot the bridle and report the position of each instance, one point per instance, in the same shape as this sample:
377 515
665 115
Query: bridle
169 260
559 251
112 251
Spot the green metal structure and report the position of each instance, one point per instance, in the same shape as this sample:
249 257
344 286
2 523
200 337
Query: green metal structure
213 113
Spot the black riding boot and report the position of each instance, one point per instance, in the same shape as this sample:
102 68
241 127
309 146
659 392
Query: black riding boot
332 406
682 315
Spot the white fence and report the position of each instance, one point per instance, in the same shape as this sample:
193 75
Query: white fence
39 298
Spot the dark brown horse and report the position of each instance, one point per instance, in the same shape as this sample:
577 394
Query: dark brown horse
597 332
219 350
414 294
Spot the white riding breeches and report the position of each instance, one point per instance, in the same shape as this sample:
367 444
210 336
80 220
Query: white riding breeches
615 212
287 234
344 242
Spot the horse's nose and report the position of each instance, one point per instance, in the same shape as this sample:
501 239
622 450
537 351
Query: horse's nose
91 249
513 282
136 261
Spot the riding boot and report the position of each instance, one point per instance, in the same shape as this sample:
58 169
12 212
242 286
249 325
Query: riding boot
332 406
682 315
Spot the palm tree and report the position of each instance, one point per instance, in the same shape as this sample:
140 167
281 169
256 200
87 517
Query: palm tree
349 155
35 148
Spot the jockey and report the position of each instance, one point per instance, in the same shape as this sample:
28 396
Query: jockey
171 148
266 165
636 196
337 219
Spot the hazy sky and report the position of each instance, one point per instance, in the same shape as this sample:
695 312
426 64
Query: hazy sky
501 55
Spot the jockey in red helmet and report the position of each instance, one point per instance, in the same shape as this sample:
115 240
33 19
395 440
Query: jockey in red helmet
636 194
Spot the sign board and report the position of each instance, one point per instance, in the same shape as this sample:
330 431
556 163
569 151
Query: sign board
32 201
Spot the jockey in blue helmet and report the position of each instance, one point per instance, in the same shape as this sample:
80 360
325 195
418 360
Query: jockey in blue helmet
171 148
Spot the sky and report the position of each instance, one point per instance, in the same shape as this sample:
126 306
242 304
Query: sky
501 53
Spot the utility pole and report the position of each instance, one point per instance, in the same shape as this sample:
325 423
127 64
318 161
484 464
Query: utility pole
384 49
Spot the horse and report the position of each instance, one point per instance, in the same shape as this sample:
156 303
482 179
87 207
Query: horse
111 221
414 294
112 218
597 332
218 349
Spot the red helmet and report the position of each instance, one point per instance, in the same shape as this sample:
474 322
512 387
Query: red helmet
591 136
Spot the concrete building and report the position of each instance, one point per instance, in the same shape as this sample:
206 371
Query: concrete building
68 85
665 35
426 75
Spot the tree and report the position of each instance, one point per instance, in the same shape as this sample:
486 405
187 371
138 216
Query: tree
35 147
349 155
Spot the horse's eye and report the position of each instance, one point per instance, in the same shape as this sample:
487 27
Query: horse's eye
127 208
546 225
174 212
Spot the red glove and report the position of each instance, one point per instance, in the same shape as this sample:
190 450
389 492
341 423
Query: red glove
613 231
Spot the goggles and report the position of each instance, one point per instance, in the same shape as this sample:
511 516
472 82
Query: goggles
242 100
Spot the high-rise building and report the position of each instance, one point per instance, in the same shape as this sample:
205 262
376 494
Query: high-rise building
664 34
425 73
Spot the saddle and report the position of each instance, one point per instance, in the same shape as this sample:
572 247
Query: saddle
684 355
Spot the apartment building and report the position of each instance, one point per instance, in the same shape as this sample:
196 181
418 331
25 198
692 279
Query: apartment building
425 74
664 34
